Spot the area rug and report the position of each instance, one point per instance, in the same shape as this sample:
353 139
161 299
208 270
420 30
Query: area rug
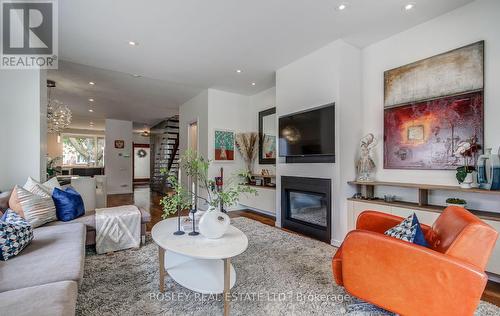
279 274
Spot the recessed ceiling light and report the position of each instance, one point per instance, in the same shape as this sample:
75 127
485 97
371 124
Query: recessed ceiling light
136 76
342 6
91 83
91 100
409 6
132 43
91 123
239 71
253 83
90 110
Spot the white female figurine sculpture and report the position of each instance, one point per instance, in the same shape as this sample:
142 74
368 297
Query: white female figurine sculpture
365 165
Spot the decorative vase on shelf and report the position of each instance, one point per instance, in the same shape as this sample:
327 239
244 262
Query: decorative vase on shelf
488 166
214 223
467 182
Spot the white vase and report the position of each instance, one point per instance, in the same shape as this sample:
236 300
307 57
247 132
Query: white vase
459 205
467 183
214 223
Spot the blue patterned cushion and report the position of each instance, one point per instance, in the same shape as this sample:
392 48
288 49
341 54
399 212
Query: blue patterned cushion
15 234
69 204
409 230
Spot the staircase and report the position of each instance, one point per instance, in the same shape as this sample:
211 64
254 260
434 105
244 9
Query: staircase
165 153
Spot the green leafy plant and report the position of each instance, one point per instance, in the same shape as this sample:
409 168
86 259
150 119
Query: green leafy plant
456 201
197 167
179 199
463 171
246 175
52 164
467 150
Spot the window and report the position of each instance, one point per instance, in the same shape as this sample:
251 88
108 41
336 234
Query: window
83 150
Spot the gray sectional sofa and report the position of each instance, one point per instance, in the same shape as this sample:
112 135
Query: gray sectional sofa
43 279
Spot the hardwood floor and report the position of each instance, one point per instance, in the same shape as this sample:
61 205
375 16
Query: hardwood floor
150 201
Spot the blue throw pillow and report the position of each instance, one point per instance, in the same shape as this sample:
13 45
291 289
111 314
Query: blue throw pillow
69 204
15 234
409 230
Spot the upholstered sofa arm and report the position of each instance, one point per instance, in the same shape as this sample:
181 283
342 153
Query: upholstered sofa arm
380 222
408 279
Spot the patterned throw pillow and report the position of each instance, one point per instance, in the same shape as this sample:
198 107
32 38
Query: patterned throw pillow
38 208
408 230
15 234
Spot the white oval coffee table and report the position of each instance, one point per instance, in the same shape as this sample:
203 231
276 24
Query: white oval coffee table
197 263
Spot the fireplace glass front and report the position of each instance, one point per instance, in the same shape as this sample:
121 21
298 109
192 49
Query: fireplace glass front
308 207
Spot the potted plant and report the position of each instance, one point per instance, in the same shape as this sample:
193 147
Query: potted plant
213 223
52 166
456 202
467 150
246 175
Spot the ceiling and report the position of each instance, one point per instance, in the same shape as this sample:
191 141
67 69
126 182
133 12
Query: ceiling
116 95
185 46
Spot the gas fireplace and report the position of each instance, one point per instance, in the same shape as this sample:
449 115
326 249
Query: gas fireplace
306 206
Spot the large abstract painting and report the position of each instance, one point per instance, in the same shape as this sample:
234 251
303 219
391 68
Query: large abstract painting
454 72
431 106
425 135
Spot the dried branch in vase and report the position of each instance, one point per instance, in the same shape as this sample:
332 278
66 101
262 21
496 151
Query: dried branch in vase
247 146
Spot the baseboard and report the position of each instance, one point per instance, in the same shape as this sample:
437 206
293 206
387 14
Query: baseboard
245 207
336 243
493 277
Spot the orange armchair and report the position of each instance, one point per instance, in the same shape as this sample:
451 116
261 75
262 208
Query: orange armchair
408 279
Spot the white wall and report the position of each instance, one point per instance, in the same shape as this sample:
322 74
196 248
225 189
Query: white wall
479 20
23 112
228 111
194 110
54 149
216 109
137 138
330 74
118 162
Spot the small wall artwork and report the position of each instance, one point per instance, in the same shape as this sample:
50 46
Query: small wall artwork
224 145
119 144
269 147
432 105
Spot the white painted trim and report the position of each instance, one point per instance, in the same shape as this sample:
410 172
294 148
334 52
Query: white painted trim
493 277
335 243
258 210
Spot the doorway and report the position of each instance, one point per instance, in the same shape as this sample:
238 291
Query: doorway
192 146
141 163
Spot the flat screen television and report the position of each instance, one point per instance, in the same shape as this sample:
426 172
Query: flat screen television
309 133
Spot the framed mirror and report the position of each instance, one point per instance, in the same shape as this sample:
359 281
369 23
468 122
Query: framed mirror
267 136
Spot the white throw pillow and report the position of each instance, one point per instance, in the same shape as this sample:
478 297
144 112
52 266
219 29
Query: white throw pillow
48 185
52 184
31 184
38 208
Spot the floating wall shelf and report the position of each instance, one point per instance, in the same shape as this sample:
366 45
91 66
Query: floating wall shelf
367 191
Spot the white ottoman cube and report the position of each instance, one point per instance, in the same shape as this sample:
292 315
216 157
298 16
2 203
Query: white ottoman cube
117 228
